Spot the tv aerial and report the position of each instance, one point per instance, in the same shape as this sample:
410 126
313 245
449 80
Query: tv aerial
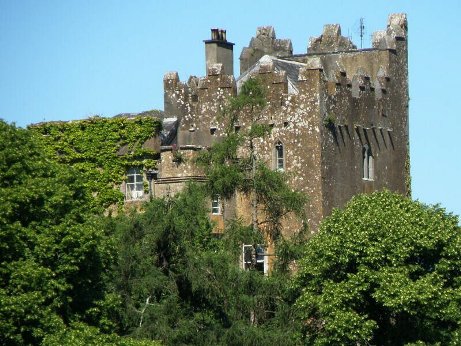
361 31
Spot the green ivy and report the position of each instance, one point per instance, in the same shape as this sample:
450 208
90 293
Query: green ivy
93 146
329 121
408 172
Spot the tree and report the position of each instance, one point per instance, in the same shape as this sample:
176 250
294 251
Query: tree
385 271
183 285
53 252
234 164
80 334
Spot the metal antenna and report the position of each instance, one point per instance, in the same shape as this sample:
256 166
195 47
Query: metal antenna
362 32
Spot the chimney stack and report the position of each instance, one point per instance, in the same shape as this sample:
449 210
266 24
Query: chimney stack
219 51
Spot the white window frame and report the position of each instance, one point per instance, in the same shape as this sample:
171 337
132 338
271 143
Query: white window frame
216 205
255 259
279 156
134 186
368 163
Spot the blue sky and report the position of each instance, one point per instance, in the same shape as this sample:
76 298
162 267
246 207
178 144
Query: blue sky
62 60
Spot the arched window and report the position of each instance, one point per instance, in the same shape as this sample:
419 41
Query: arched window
134 184
368 163
279 157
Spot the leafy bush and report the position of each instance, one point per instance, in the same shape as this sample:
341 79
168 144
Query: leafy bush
386 271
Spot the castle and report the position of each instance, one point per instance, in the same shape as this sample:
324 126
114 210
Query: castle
339 116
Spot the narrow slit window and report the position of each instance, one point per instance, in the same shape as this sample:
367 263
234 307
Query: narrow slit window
279 157
368 163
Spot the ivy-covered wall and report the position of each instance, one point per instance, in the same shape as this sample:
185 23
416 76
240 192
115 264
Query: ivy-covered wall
92 146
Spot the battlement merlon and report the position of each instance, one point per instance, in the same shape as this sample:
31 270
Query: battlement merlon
175 94
397 30
264 43
331 40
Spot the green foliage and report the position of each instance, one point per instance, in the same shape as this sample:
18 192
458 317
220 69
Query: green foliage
408 172
53 252
93 148
79 334
153 249
182 285
178 157
251 98
228 170
329 121
224 170
386 271
277 198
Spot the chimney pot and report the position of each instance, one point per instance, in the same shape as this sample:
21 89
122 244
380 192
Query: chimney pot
214 34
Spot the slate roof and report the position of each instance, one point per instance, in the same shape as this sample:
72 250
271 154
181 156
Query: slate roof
169 127
152 113
289 66
169 130
154 142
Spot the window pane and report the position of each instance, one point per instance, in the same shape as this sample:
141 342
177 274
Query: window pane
247 250
370 168
368 164
216 205
280 151
134 183
279 161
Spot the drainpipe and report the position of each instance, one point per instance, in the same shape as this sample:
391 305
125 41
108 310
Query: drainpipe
151 174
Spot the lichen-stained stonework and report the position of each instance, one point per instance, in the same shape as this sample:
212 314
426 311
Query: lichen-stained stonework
328 107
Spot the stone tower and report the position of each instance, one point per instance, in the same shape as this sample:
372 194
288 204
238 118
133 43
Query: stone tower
339 115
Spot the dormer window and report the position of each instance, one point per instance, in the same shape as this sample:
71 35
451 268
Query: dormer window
134 184
279 157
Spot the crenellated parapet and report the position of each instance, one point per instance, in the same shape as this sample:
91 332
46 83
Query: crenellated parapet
198 104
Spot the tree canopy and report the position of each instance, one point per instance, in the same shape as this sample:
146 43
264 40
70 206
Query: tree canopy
183 285
53 250
234 164
385 271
